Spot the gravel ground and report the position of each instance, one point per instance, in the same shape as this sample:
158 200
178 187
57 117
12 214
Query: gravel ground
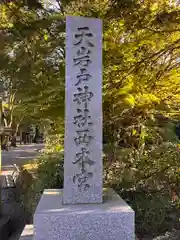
175 235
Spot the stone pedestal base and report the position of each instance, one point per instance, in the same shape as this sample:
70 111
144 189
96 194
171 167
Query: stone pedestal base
111 220
4 227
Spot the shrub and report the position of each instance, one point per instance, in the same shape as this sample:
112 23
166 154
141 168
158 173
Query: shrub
145 179
54 142
49 175
155 213
149 180
155 168
50 170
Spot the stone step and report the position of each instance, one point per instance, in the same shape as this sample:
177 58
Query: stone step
27 233
8 195
16 234
4 227
7 181
12 209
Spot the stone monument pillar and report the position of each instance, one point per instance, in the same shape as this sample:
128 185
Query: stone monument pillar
83 210
83 125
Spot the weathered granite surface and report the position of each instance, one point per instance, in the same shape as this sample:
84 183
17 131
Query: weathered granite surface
111 220
175 235
27 234
4 227
83 118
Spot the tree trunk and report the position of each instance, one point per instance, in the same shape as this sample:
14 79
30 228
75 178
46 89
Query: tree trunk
13 140
36 137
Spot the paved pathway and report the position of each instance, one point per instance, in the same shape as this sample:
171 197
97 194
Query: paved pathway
20 155
10 206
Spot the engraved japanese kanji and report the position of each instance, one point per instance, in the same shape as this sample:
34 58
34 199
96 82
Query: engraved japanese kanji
83 158
83 137
83 34
83 111
83 60
83 96
81 179
83 76
83 118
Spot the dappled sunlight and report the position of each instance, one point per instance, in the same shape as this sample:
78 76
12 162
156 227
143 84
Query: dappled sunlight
29 157
31 165
81 87
27 232
22 150
20 155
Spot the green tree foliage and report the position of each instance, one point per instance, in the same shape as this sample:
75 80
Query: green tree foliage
32 56
141 90
141 66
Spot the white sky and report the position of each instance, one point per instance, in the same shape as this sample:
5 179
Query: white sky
51 4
